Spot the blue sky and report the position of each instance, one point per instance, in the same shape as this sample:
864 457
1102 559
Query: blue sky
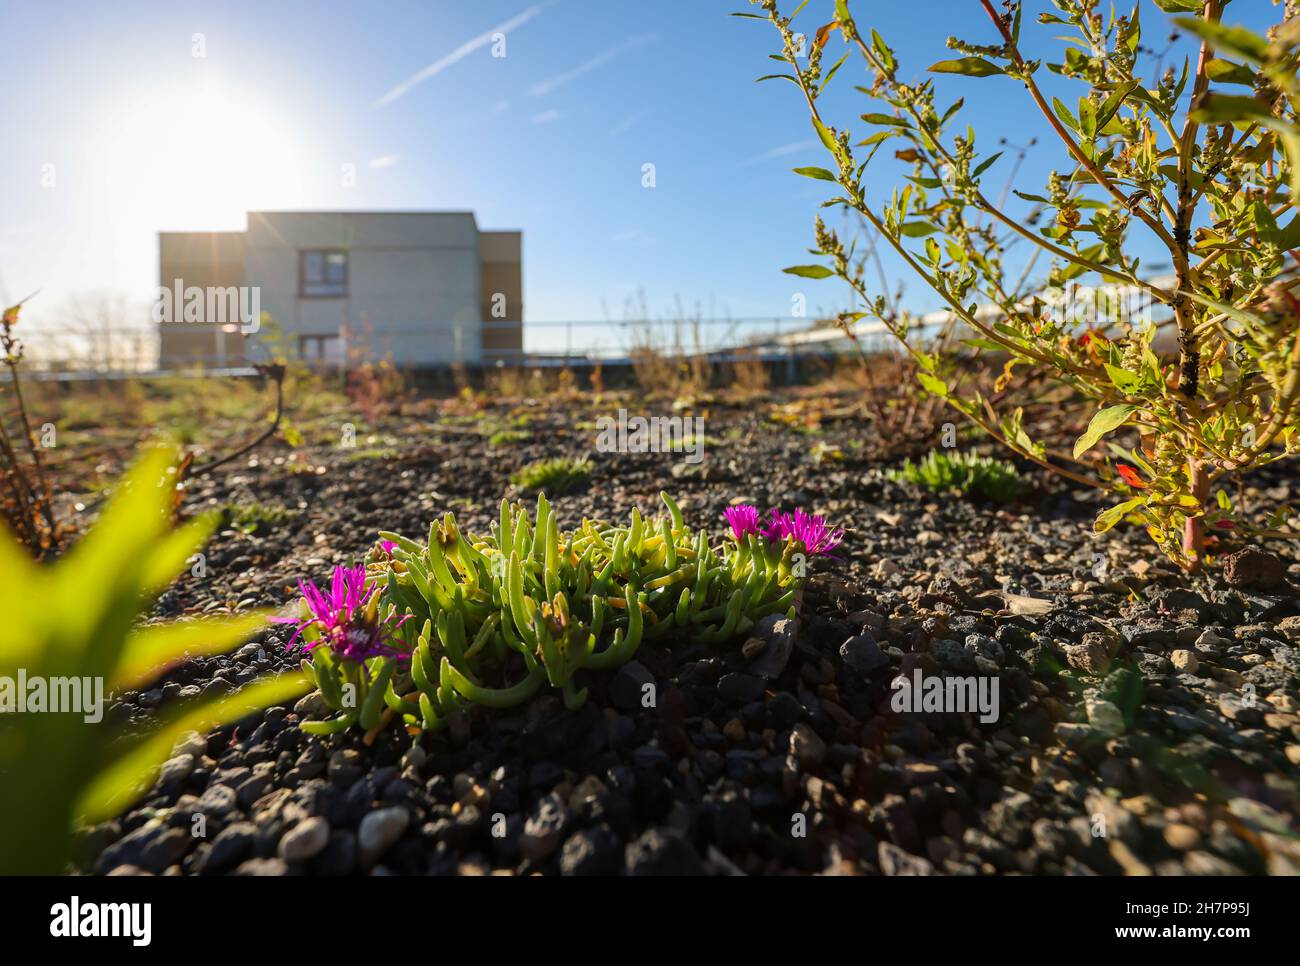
552 138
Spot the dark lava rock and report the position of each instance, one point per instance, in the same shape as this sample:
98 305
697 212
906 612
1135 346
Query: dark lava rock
784 709
231 846
657 852
544 830
739 688
894 861
340 855
779 632
218 800
150 847
627 687
862 654
593 851
263 867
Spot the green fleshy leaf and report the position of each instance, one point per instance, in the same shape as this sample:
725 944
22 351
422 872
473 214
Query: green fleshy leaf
967 66
1108 518
809 271
820 174
932 384
1104 421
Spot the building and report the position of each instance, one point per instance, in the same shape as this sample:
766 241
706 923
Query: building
424 288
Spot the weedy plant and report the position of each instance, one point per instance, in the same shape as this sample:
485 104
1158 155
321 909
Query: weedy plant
558 475
69 629
749 376
25 501
259 518
969 473
424 629
508 437
1209 176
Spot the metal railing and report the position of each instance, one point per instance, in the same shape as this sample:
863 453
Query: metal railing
68 354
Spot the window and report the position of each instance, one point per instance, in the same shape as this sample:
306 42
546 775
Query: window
322 274
320 348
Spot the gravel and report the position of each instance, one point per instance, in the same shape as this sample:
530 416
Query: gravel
1148 722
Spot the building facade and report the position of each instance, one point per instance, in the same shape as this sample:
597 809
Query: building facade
420 288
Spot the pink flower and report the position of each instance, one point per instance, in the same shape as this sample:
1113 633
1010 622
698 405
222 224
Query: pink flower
341 618
743 520
811 531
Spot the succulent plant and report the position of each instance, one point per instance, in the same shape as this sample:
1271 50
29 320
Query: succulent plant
559 475
508 437
968 473
492 619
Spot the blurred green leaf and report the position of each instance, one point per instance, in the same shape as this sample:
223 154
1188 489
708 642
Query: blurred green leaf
73 622
932 384
120 783
151 651
1234 40
175 550
1226 72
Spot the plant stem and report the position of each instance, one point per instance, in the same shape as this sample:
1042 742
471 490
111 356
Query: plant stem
1194 526
983 203
45 502
1071 145
1189 352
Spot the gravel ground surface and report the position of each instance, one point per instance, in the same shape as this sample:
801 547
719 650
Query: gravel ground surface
1146 722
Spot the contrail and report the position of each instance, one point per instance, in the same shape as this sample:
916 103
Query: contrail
600 60
464 50
792 148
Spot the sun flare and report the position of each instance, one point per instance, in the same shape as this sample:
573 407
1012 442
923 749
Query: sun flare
200 159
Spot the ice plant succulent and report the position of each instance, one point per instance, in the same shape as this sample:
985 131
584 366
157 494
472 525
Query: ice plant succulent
499 616
353 646
811 531
743 520
968 473
818 540
346 620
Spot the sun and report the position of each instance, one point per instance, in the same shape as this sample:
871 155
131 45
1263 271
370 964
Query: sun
198 159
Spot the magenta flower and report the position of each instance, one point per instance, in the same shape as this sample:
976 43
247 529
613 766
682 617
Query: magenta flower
387 546
341 618
778 527
743 520
811 531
